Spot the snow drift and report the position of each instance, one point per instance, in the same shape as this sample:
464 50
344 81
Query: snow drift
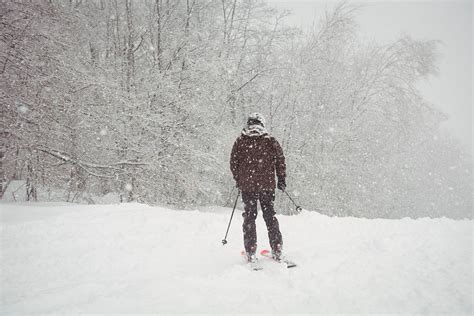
63 258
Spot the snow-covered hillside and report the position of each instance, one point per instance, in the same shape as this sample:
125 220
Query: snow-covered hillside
63 258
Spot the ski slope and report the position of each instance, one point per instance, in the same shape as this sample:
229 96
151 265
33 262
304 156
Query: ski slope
131 258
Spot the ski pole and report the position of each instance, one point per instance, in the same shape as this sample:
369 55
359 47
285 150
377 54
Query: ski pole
298 208
224 241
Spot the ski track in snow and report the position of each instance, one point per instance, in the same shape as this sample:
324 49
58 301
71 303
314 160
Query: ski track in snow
131 258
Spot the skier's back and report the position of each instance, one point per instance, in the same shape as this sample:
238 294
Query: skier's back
255 157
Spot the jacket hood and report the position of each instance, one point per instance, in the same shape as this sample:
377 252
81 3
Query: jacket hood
254 130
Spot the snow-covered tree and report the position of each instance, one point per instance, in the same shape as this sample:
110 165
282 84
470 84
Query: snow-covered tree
145 98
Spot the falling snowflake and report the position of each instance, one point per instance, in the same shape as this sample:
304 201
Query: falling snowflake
21 107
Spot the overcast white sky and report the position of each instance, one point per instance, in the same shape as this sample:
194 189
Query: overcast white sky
447 21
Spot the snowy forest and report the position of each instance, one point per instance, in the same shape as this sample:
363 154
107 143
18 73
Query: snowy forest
144 99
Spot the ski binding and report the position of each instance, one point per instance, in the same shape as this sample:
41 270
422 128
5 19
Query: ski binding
268 254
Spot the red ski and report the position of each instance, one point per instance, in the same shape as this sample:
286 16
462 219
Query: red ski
268 254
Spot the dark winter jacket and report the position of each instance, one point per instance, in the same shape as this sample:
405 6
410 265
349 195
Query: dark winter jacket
254 160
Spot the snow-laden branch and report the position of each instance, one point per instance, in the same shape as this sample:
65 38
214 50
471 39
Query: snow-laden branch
88 166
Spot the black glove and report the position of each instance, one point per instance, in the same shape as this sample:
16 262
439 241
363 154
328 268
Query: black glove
281 184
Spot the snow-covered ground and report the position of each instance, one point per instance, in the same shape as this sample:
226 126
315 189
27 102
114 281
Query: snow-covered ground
66 258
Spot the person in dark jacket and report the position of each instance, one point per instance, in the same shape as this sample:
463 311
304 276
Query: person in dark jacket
256 157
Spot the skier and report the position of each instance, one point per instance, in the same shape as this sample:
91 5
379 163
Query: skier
255 157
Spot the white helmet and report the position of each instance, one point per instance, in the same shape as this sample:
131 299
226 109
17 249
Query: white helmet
256 118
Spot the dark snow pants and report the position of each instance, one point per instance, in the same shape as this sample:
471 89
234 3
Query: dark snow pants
266 199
